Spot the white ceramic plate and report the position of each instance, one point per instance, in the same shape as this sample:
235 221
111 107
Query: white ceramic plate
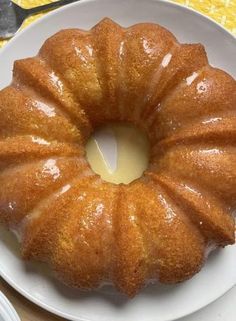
156 303
7 312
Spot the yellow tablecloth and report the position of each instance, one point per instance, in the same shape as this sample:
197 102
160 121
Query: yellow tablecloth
223 11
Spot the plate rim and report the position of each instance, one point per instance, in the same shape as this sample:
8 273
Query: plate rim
60 313
74 4
46 17
8 308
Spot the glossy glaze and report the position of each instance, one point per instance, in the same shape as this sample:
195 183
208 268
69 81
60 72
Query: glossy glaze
160 226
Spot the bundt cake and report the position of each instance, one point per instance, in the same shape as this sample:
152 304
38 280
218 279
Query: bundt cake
162 225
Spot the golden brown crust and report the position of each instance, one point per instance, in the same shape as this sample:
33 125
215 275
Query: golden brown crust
206 94
21 114
158 227
26 184
35 74
74 232
166 247
19 149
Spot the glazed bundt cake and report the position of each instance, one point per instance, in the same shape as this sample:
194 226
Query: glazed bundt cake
162 225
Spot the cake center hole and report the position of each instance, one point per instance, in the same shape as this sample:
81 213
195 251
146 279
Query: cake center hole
119 153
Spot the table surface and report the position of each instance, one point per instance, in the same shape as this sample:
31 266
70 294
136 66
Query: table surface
224 309
26 310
